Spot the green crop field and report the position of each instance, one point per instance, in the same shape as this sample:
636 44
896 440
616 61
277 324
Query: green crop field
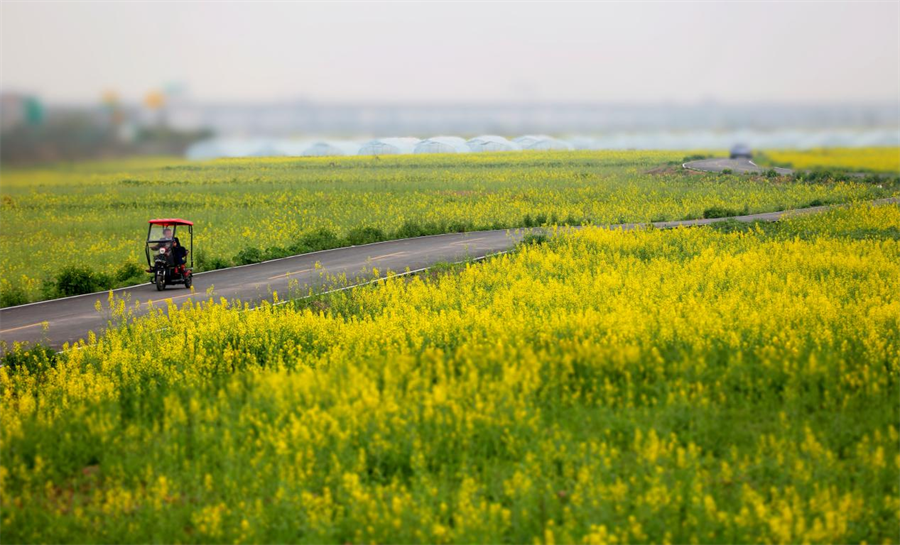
94 215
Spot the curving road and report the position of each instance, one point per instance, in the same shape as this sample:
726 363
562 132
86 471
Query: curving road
66 320
737 166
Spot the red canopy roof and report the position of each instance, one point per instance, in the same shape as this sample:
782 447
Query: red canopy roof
171 221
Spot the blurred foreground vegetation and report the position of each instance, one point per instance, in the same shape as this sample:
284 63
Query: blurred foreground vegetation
736 384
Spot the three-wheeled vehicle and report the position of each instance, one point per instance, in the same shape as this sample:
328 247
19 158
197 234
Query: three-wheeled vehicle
170 261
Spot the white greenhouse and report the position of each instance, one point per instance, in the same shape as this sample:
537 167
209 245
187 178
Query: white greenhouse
491 142
541 142
265 148
552 144
332 148
388 146
292 148
442 144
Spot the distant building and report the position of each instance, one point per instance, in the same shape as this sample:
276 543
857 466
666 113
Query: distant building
12 110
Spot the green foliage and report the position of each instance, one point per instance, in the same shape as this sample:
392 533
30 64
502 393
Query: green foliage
460 226
719 212
820 176
130 272
734 226
13 295
534 239
275 252
248 255
33 360
78 280
538 220
411 229
205 262
695 157
320 239
364 235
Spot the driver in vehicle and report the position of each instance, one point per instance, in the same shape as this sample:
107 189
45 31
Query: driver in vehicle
164 242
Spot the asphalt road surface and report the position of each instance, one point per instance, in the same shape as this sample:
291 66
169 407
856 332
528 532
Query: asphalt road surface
738 166
61 321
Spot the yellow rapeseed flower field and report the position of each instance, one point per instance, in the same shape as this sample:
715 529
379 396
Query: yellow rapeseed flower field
736 384
94 215
886 159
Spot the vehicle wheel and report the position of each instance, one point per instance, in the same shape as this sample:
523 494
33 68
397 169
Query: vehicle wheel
188 280
160 281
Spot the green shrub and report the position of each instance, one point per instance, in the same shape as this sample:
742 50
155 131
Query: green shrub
433 228
129 271
695 157
534 239
248 256
204 262
409 229
460 226
35 359
77 280
365 235
275 252
719 212
820 176
872 179
217 262
12 296
321 239
734 226
727 171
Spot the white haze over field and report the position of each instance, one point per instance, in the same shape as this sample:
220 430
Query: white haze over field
430 52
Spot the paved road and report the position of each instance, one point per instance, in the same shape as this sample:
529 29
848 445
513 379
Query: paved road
70 319
738 166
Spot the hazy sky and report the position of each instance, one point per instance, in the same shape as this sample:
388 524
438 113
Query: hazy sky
432 52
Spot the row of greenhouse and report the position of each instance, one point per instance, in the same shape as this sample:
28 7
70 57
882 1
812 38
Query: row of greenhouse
216 148
695 140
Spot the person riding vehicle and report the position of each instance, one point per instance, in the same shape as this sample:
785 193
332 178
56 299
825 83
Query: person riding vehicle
179 255
167 260
164 241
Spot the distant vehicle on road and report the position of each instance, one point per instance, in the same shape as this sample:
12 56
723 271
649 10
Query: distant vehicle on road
166 257
741 151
